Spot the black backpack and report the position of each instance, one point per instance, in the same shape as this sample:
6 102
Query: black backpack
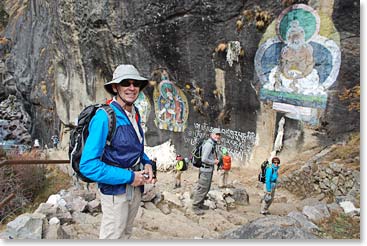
263 166
79 135
184 167
196 154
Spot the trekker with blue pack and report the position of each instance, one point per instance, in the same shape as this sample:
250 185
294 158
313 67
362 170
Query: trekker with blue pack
120 166
271 176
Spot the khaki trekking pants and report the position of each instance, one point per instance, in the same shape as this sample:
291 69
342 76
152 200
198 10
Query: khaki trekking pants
118 215
203 186
223 178
178 177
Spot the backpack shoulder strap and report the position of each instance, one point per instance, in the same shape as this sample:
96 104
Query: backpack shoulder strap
137 115
202 142
111 122
214 148
271 167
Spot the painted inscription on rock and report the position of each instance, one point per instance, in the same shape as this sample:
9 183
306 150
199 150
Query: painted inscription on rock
239 144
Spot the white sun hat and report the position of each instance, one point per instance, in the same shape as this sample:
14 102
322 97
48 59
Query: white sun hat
123 72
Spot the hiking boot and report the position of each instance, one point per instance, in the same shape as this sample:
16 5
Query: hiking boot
264 212
204 207
197 210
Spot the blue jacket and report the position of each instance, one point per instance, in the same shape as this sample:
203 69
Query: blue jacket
124 151
271 176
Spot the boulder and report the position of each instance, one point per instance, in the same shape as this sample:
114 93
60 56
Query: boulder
94 206
172 198
305 223
317 212
349 208
26 226
240 196
55 231
270 227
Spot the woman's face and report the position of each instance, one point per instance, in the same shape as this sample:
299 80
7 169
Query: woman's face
276 162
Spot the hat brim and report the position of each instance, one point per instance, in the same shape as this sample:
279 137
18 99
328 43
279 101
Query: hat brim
108 85
216 132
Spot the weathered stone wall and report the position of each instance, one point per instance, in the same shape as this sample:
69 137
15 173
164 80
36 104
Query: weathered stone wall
317 177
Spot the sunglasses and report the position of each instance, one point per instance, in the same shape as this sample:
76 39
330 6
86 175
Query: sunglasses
127 83
276 162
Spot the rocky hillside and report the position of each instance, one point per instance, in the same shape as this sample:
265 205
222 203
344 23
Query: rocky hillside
219 58
325 208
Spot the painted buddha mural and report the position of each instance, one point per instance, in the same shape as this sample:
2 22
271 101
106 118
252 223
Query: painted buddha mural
171 107
295 64
295 71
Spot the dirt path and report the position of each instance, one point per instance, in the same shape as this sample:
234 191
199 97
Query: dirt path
181 223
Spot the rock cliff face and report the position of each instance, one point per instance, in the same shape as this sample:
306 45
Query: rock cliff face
60 53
